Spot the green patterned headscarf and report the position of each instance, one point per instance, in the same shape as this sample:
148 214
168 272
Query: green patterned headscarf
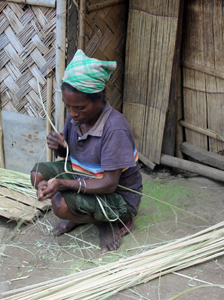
88 75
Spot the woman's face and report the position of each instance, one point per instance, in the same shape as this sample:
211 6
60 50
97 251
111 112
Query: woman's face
82 110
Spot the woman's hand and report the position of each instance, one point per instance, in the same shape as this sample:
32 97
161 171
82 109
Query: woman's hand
47 189
56 141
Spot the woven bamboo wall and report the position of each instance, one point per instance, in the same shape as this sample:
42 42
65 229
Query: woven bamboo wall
27 49
150 56
203 76
105 40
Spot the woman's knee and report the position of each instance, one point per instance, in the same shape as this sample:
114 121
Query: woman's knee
36 178
59 206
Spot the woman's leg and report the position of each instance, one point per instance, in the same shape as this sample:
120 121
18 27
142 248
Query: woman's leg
110 237
36 178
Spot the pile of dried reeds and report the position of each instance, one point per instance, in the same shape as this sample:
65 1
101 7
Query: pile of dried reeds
16 181
104 281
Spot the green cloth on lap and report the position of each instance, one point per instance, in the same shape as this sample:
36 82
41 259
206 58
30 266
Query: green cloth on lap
81 204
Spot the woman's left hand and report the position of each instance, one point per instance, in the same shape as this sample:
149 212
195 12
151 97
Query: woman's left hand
47 189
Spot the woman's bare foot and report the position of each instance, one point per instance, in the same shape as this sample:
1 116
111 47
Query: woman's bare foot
64 226
110 237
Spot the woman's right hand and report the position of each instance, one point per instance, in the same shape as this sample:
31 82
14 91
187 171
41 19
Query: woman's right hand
47 189
55 141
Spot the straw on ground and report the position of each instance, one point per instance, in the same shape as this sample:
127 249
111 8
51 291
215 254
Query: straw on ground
102 282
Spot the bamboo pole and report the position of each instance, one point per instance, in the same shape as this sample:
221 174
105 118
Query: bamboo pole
60 63
200 130
47 3
1 140
179 129
146 161
82 25
48 108
103 5
202 69
186 165
169 135
205 157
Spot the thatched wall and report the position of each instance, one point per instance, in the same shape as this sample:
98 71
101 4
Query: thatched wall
105 39
203 76
150 59
27 49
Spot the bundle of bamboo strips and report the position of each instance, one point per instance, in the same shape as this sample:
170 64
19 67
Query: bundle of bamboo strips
104 281
17 181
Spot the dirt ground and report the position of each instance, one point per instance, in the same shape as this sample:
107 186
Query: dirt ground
34 255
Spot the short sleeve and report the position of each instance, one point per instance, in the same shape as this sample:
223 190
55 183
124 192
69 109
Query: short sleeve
117 151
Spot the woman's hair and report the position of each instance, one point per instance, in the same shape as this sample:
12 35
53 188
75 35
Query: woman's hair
92 97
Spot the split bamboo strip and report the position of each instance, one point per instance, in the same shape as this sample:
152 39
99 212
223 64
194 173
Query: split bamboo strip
103 5
202 69
18 196
82 24
200 130
48 109
47 3
102 282
18 199
17 181
73 298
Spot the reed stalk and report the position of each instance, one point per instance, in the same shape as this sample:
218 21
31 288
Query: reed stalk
104 281
16 181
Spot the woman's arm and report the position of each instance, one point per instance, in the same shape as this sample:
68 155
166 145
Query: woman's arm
105 185
57 143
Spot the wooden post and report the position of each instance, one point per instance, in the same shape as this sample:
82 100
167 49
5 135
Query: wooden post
60 63
48 108
146 161
169 137
204 156
82 25
179 129
190 166
46 3
1 140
